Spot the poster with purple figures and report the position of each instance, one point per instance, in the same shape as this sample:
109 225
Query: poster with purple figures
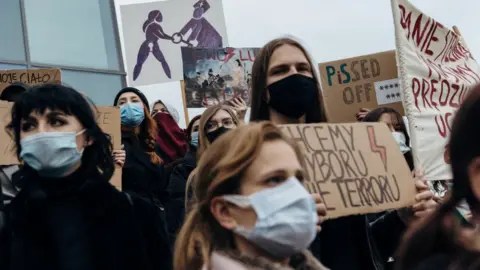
153 34
214 76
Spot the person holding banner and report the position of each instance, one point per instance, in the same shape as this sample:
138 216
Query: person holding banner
68 215
215 121
253 211
447 239
286 90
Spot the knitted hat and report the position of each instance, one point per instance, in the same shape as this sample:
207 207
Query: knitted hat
136 92
13 91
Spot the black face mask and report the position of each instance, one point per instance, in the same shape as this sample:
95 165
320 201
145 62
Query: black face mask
212 136
293 96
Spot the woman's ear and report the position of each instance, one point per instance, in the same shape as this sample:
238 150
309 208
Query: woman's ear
220 210
474 176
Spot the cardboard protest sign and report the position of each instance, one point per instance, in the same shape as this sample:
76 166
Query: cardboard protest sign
356 168
108 118
214 76
29 76
368 81
153 34
437 71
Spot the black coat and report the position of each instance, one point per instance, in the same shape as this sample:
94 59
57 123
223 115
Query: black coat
79 223
176 188
140 176
354 243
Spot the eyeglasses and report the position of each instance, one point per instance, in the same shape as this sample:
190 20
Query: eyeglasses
214 125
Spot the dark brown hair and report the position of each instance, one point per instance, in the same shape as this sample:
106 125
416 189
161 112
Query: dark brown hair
259 109
190 127
437 233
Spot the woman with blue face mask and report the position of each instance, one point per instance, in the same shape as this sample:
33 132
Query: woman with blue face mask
252 210
68 215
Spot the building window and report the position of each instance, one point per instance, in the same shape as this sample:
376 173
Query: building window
75 33
78 36
12 47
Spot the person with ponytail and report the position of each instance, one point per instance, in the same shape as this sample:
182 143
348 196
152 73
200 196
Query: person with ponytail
253 211
446 239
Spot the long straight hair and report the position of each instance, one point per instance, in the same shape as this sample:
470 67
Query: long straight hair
260 109
435 234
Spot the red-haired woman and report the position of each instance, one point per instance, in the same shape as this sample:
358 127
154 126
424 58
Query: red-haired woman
143 173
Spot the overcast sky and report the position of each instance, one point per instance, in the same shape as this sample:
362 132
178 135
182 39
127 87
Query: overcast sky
332 29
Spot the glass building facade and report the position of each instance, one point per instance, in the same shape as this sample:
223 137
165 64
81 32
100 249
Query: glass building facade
78 36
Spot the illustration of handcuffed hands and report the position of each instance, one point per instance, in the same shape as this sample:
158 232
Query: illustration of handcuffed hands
425 200
119 157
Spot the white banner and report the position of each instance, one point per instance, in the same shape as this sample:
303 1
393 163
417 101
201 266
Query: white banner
436 72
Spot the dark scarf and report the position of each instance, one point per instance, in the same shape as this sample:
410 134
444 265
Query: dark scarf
170 137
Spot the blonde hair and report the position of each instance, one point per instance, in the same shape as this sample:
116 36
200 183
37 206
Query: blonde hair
219 172
206 116
203 144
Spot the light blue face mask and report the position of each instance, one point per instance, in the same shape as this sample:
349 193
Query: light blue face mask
286 218
51 154
194 140
132 114
401 141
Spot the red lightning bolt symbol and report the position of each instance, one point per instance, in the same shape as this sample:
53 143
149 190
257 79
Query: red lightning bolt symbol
375 147
230 53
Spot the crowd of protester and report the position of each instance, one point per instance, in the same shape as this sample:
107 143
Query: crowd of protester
220 194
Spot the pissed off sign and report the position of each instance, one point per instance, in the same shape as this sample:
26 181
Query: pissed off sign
367 81
355 168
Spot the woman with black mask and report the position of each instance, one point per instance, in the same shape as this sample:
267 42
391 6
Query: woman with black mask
68 215
215 121
286 90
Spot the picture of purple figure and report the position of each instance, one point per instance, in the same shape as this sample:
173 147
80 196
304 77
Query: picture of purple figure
203 32
153 32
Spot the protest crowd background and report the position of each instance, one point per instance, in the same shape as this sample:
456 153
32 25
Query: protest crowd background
271 160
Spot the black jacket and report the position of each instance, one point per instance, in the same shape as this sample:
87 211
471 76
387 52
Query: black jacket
140 176
354 243
79 223
176 188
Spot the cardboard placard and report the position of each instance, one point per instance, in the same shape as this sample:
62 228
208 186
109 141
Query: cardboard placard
108 119
368 81
356 168
437 70
30 77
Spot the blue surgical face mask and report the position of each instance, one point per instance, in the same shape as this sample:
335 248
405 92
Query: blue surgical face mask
401 141
286 218
132 114
51 154
194 140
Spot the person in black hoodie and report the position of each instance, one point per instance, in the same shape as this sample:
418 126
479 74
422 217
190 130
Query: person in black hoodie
67 215
179 176
286 90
